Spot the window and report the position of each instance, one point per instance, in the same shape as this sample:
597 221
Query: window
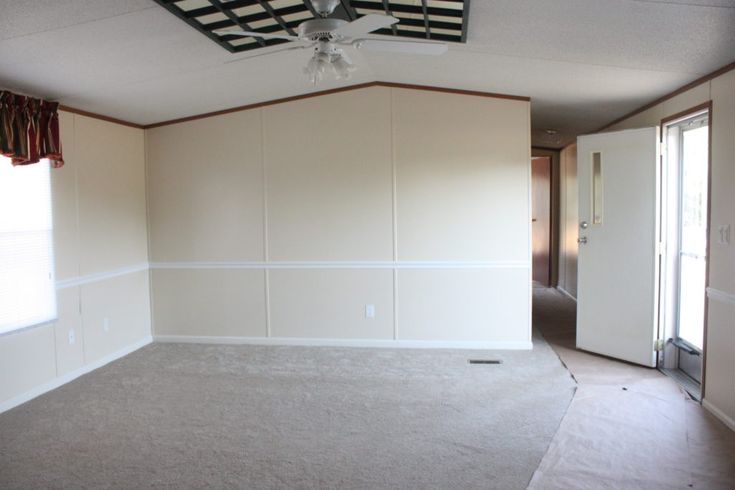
27 288
693 189
597 188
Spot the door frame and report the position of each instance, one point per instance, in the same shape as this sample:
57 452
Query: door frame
700 108
555 196
552 221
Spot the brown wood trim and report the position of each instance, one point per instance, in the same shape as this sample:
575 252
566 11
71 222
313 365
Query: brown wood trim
688 86
258 104
334 91
99 116
679 115
430 88
688 112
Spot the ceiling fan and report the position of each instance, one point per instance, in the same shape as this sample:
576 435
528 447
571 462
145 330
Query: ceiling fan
326 35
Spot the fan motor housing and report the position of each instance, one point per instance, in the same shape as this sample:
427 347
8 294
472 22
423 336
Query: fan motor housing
319 29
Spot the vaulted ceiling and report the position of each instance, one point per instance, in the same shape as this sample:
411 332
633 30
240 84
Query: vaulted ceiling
583 62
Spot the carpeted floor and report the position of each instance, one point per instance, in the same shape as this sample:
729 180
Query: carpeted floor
196 416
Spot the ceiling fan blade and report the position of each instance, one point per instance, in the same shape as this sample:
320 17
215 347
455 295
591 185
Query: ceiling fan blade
408 47
365 24
262 35
287 48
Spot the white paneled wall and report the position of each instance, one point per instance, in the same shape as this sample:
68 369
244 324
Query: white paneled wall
285 221
100 243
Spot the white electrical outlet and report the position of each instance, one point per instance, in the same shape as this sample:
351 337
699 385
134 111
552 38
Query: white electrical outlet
369 311
106 324
724 237
72 337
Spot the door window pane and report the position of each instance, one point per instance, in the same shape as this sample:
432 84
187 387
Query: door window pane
693 230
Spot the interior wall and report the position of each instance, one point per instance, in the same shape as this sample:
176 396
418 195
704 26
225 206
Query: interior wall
287 221
719 393
568 221
101 255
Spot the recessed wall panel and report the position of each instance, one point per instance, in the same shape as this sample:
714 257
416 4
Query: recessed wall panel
115 314
64 199
720 362
111 187
464 304
722 255
209 302
205 184
329 177
27 360
331 303
69 350
462 176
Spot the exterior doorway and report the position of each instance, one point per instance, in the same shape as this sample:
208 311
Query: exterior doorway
686 172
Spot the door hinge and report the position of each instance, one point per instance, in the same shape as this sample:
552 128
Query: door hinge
661 248
658 345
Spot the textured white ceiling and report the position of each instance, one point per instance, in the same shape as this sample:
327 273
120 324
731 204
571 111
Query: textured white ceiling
583 62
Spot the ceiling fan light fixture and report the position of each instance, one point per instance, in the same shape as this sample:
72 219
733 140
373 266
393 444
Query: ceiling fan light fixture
343 68
328 58
316 67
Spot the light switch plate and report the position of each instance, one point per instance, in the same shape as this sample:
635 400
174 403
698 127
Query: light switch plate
369 311
72 337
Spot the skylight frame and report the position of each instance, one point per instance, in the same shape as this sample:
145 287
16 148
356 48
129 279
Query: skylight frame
439 20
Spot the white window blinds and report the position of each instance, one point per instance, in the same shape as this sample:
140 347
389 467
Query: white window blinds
27 287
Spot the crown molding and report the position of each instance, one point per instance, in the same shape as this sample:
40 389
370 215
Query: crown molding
427 88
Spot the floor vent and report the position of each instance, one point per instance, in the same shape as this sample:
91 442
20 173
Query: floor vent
486 361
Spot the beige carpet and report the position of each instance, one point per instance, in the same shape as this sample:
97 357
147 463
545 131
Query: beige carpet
195 416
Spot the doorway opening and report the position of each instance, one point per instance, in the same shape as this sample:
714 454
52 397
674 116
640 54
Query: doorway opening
685 228
541 220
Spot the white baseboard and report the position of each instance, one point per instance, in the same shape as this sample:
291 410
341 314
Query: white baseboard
387 343
72 375
566 293
724 418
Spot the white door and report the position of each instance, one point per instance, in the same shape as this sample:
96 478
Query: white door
618 258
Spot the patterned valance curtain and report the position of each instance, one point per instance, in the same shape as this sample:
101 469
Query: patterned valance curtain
29 129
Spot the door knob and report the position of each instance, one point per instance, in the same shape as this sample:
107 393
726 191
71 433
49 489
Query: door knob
583 225
582 239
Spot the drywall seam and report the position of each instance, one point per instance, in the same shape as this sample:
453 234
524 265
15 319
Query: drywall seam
266 245
394 197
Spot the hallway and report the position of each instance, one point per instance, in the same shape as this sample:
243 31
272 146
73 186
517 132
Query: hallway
627 426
